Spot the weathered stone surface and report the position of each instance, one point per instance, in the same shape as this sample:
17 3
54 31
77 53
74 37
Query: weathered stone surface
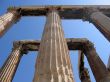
98 68
7 20
101 74
72 43
101 21
83 72
65 11
53 62
9 68
85 75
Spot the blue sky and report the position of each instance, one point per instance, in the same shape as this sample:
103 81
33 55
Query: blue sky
32 27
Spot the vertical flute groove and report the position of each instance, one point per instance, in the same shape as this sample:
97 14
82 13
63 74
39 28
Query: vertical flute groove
7 20
54 53
10 66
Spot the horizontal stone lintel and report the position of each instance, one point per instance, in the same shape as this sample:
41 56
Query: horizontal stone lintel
73 44
65 11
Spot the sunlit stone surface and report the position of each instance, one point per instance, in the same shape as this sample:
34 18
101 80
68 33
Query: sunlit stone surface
9 68
7 20
53 61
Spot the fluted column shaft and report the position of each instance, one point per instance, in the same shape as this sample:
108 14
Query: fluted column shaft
9 68
53 62
7 20
98 68
101 21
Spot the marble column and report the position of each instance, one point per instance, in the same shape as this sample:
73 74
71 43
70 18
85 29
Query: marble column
100 20
7 20
98 68
53 61
83 72
9 68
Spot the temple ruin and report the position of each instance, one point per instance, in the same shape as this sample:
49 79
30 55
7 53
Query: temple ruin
53 63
